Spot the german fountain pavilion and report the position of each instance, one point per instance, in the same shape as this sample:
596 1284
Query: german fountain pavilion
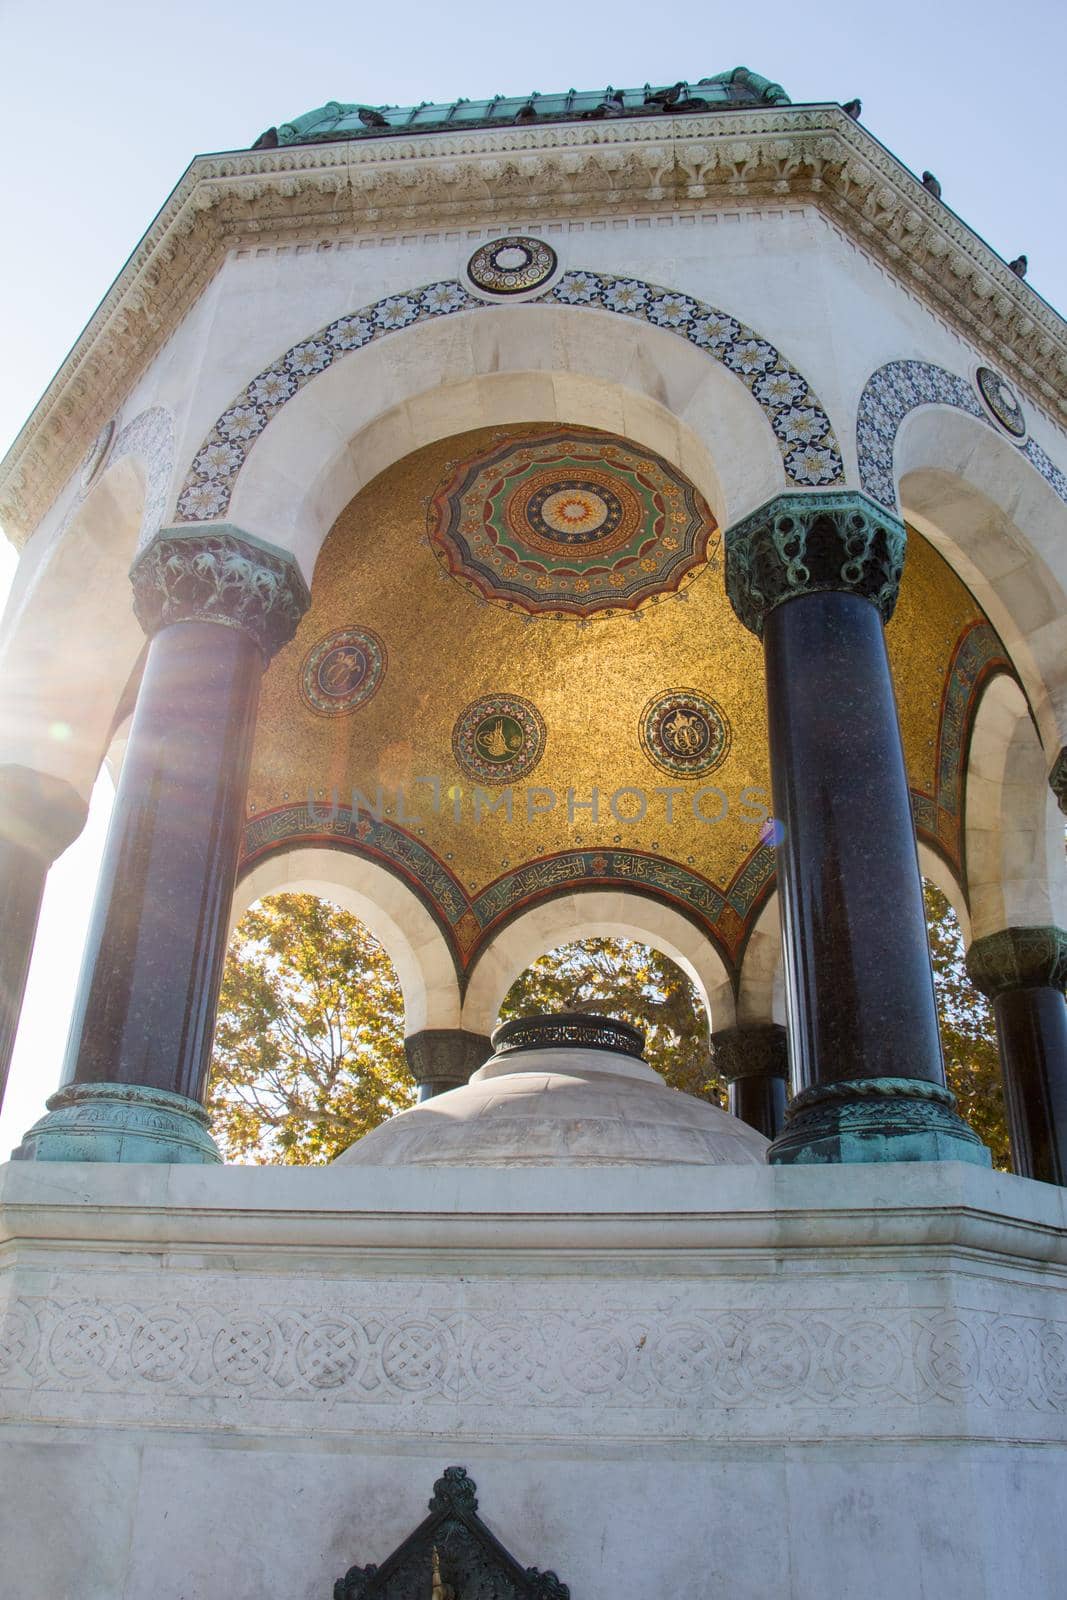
638 513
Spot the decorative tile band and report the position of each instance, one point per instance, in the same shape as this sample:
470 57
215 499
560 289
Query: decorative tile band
806 439
725 914
902 386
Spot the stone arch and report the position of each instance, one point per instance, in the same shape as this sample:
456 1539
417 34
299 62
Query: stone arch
936 869
1016 875
58 720
900 387
996 510
388 907
590 914
538 336
761 980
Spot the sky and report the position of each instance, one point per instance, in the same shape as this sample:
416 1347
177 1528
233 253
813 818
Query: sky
104 106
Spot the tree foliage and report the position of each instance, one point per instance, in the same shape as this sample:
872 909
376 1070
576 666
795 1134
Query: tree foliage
637 984
309 1044
309 1051
968 1031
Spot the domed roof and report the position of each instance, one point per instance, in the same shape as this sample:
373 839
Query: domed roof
550 1102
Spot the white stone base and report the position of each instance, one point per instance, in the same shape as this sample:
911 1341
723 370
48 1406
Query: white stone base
738 1381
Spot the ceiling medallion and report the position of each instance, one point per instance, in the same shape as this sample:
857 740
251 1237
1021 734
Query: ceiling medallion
96 459
1002 401
498 739
570 524
514 265
343 671
684 733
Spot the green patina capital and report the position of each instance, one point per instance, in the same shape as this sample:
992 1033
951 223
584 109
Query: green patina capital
218 573
119 1122
444 1058
759 1050
875 1119
802 544
1018 958
1057 779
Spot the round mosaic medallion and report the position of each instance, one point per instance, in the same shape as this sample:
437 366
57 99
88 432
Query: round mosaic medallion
498 739
1002 402
343 671
569 525
514 265
685 733
96 460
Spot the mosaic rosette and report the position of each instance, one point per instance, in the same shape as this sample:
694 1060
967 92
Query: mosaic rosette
570 524
343 671
684 733
513 265
498 739
1002 401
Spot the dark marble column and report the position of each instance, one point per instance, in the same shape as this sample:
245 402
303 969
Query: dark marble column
1057 779
1023 971
754 1060
816 577
216 605
444 1058
39 817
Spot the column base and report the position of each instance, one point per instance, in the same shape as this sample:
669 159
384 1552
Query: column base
876 1119
119 1122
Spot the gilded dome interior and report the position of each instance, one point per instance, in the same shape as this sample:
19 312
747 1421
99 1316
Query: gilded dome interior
508 620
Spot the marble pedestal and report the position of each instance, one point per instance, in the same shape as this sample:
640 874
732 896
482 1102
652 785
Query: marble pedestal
813 1382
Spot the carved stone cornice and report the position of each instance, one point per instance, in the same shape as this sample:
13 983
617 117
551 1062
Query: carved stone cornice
815 154
1018 958
800 544
1057 779
760 1050
219 574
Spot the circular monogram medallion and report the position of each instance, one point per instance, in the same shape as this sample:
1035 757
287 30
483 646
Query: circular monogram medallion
570 524
1001 401
685 733
96 460
514 265
343 671
498 739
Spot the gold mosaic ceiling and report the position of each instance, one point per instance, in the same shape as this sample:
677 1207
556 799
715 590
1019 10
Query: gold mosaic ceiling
520 617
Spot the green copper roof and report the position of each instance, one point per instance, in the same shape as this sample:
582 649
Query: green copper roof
724 92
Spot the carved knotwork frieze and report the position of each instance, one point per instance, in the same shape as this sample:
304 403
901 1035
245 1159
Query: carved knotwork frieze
219 575
808 544
1018 958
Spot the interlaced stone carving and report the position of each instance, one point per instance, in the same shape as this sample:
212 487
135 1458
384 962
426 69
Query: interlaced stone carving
452 1553
1018 958
807 544
219 575
87 1359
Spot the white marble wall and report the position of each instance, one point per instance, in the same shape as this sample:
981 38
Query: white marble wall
817 1383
